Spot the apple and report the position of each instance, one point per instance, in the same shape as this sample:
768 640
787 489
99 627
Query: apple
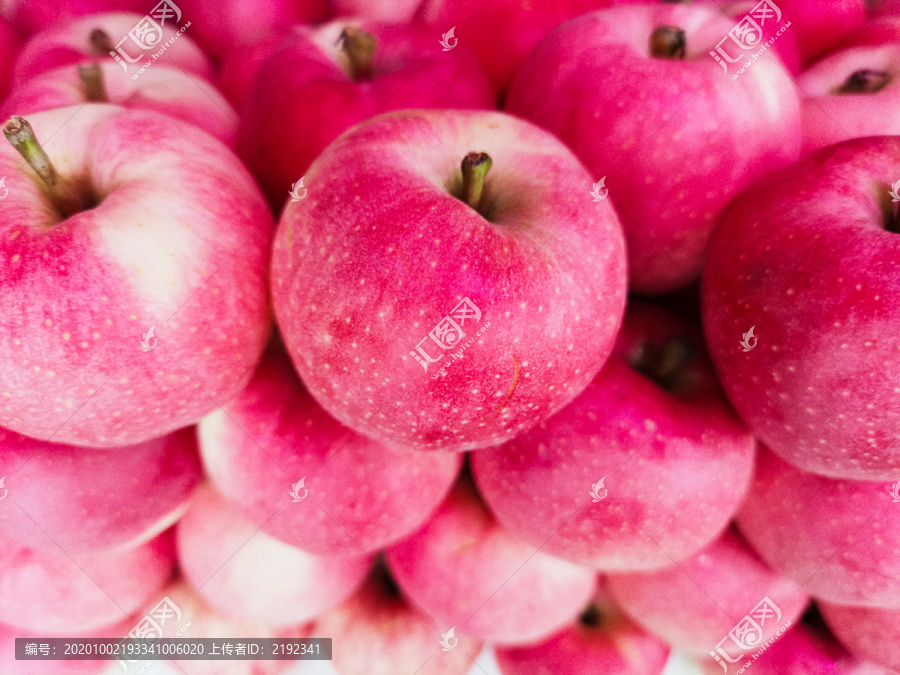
31 17
676 138
86 500
310 481
170 91
836 537
58 592
241 65
9 49
386 634
324 80
879 8
246 573
397 11
878 30
867 632
134 294
851 93
820 26
95 36
805 259
443 312
602 634
463 569
693 605
644 469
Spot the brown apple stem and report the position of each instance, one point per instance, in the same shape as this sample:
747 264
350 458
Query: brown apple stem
864 81
475 167
20 134
892 223
591 616
359 46
100 42
667 42
665 364
92 80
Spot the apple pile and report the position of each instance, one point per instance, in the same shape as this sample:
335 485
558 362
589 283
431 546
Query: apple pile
556 337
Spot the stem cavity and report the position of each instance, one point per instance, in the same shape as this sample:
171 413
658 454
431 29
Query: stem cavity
359 46
665 365
475 167
100 42
865 81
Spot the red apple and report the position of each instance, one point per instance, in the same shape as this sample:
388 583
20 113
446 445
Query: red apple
867 632
601 635
95 36
879 30
144 273
693 605
806 259
242 63
31 17
836 537
851 93
86 500
9 49
646 467
170 91
386 634
396 11
522 291
463 569
311 89
675 137
310 481
246 573
821 25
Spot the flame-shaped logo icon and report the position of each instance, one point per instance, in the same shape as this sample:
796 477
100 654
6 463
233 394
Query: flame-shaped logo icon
746 342
446 40
894 490
295 190
3 490
895 192
146 344
449 640
596 192
295 490
598 490
3 185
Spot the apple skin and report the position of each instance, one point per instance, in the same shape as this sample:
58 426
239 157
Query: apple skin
31 17
68 43
836 537
191 264
878 30
246 573
362 495
9 49
692 467
654 160
168 91
240 66
58 592
803 258
303 96
621 646
867 632
396 11
694 604
547 271
829 117
820 26
386 634
86 500
463 569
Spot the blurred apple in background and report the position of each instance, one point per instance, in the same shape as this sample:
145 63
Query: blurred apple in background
868 632
9 48
30 17
643 469
395 11
242 63
806 259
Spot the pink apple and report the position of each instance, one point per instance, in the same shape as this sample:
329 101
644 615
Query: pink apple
646 467
57 592
86 500
601 635
310 90
806 259
95 36
879 30
836 537
396 11
463 569
246 573
242 63
879 8
385 634
170 91
9 48
31 17
675 137
310 481
867 632
693 605
851 93
144 312
521 293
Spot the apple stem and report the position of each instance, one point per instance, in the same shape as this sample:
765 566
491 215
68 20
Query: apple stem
92 78
665 364
359 46
864 81
591 616
668 42
475 167
100 42
20 134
